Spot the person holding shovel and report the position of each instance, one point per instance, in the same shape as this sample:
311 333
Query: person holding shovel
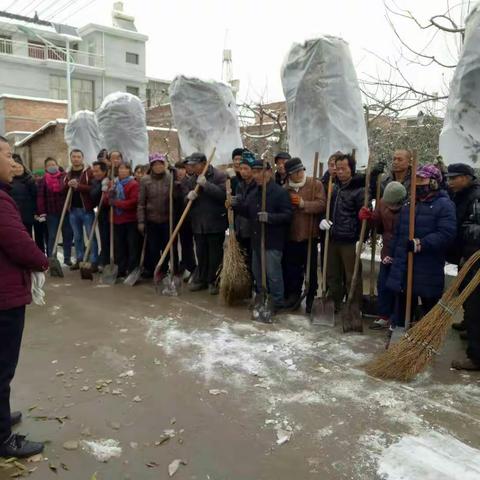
280 173
435 230
19 256
308 200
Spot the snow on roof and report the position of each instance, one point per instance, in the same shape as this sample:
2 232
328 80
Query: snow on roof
33 99
51 123
120 32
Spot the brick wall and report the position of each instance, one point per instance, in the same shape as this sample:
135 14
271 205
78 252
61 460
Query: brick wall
160 116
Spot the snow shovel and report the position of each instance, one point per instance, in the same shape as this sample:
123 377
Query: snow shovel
156 274
171 283
53 263
86 266
369 303
351 316
134 276
325 314
263 310
110 272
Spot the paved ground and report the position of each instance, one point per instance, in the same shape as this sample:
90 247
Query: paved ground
185 378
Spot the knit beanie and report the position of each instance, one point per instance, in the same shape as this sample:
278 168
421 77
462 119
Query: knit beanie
395 193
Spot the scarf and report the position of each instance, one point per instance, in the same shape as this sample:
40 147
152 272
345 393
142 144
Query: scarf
297 186
53 181
120 191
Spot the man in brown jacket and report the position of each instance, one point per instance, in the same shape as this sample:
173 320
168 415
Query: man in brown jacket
308 201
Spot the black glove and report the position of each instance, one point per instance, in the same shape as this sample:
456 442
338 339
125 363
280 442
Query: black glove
378 168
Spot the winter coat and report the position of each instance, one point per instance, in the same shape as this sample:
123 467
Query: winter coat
208 213
468 227
19 256
279 180
49 202
305 220
84 186
24 192
154 199
435 227
385 218
279 210
390 177
128 206
242 224
347 200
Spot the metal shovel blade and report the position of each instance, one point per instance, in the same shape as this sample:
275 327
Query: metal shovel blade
110 274
171 284
352 318
133 277
323 312
54 267
86 271
263 309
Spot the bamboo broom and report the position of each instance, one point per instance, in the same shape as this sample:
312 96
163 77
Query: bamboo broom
415 351
235 281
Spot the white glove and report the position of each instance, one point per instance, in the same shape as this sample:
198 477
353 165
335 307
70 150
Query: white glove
105 184
263 217
325 225
38 281
193 195
230 173
201 180
40 218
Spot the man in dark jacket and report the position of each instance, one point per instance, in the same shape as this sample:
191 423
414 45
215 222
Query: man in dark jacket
401 169
435 230
280 173
465 192
19 256
209 221
234 172
276 218
344 229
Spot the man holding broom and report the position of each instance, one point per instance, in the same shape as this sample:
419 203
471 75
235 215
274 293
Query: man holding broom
465 193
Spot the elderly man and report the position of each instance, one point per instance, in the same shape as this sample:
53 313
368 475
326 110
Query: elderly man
401 169
19 256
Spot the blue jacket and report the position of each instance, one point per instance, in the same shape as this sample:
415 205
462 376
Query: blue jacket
436 228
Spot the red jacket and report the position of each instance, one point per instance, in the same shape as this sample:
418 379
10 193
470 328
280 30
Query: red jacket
128 206
19 256
84 187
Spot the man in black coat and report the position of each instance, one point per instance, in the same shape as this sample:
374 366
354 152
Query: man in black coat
465 192
209 220
276 218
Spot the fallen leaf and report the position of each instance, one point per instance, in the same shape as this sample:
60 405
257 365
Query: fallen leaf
64 467
152 464
173 421
283 436
85 388
70 445
35 458
214 391
53 467
20 466
137 399
174 466
94 476
33 407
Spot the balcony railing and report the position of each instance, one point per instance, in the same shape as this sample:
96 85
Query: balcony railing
38 51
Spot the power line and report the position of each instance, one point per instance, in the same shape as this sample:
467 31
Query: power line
11 5
61 9
76 11
48 7
29 5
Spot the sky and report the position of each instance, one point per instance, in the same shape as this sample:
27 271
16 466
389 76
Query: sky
188 36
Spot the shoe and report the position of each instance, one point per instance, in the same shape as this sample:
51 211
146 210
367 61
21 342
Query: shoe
17 446
465 364
68 263
379 324
196 287
309 305
75 266
15 418
293 303
213 289
95 268
186 276
463 336
461 327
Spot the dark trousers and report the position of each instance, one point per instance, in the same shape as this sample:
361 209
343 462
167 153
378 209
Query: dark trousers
126 247
294 265
398 319
471 315
11 331
386 298
41 235
188 261
104 229
157 239
273 264
209 247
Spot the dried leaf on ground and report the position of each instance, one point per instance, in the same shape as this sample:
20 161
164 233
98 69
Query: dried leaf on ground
174 466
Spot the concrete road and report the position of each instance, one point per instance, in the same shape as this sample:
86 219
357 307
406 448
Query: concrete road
142 380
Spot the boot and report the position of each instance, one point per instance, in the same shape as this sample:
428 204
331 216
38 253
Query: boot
461 327
465 364
196 287
17 446
213 289
309 304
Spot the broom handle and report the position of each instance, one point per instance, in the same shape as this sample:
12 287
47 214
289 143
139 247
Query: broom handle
310 224
92 232
363 231
170 220
66 206
183 217
327 236
411 236
112 233
263 253
374 240
231 225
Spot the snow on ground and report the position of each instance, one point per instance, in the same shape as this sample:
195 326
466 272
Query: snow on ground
103 450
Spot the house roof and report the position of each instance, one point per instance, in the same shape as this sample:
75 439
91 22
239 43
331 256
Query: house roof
33 99
52 123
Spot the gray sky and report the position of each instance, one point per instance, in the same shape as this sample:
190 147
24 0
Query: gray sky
188 36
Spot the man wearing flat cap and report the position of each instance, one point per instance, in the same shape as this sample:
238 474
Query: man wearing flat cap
465 192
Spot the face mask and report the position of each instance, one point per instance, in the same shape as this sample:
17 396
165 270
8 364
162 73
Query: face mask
52 170
422 190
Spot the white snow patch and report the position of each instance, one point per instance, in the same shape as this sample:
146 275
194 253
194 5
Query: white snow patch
430 456
324 432
103 450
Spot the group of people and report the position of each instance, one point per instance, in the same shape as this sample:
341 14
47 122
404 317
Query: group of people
145 205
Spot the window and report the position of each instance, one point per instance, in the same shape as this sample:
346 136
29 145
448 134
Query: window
82 92
5 44
133 58
133 91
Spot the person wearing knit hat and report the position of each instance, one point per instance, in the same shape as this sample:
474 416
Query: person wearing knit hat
153 211
280 160
307 197
384 219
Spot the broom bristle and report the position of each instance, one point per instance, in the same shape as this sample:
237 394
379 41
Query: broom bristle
235 281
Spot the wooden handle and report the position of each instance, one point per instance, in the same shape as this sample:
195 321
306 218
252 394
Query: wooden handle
231 224
411 236
112 230
182 218
263 253
327 236
310 223
374 240
66 206
92 233
170 218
